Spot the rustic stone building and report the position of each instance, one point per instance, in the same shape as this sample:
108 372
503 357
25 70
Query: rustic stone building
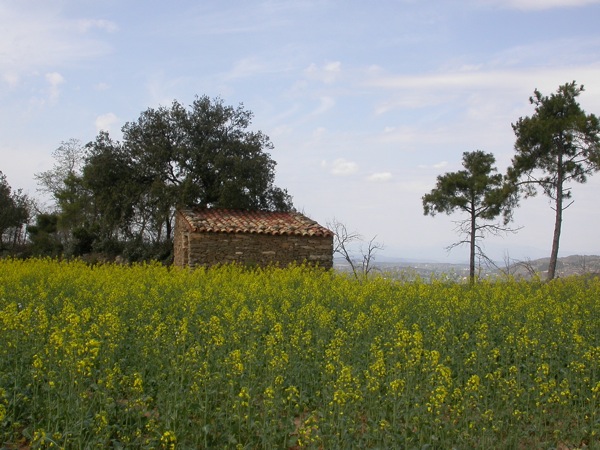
205 237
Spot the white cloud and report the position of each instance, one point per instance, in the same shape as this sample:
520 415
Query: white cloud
319 132
401 135
325 104
281 130
413 100
85 25
492 96
374 69
418 187
342 167
40 37
493 80
102 86
326 74
245 68
12 79
210 18
439 165
380 177
161 88
533 5
54 79
104 122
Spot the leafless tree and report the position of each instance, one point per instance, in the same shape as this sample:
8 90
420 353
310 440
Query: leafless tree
511 267
529 267
342 242
473 235
583 264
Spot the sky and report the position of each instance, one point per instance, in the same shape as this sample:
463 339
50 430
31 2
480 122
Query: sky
366 103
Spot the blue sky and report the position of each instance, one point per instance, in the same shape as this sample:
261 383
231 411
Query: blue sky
365 102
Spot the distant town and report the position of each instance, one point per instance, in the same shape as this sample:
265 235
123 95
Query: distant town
407 269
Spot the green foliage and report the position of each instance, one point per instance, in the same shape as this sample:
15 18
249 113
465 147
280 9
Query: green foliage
558 144
14 213
74 208
84 239
145 356
113 194
204 156
477 191
559 140
68 161
113 188
44 236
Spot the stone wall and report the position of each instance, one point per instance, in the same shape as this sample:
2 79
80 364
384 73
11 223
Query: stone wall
206 249
180 242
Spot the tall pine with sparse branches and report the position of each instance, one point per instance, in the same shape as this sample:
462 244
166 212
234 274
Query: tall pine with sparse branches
480 193
557 145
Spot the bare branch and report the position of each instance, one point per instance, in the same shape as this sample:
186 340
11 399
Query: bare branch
342 239
369 256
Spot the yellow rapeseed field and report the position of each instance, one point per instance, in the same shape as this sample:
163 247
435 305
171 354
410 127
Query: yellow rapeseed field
153 357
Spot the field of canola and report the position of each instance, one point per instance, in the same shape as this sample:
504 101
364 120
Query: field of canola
152 357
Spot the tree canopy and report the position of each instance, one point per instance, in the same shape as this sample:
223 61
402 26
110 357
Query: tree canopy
557 145
479 192
14 213
204 155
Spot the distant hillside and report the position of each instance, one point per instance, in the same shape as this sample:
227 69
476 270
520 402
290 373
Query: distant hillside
568 265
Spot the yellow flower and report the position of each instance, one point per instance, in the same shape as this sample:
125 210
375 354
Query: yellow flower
168 440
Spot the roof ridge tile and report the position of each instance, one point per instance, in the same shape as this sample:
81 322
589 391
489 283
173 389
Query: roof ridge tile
224 220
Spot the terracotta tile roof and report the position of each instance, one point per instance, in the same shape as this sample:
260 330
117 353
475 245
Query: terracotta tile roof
260 222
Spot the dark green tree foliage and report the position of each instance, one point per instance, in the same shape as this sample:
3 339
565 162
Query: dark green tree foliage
205 156
112 185
14 213
477 191
124 204
558 144
201 156
69 158
44 237
6 207
73 205
124 194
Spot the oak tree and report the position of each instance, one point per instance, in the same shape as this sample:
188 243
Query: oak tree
110 193
204 155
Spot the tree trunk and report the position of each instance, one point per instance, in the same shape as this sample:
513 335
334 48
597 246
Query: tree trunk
555 240
557 222
169 227
472 247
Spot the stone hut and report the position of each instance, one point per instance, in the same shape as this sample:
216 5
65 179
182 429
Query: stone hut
209 236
